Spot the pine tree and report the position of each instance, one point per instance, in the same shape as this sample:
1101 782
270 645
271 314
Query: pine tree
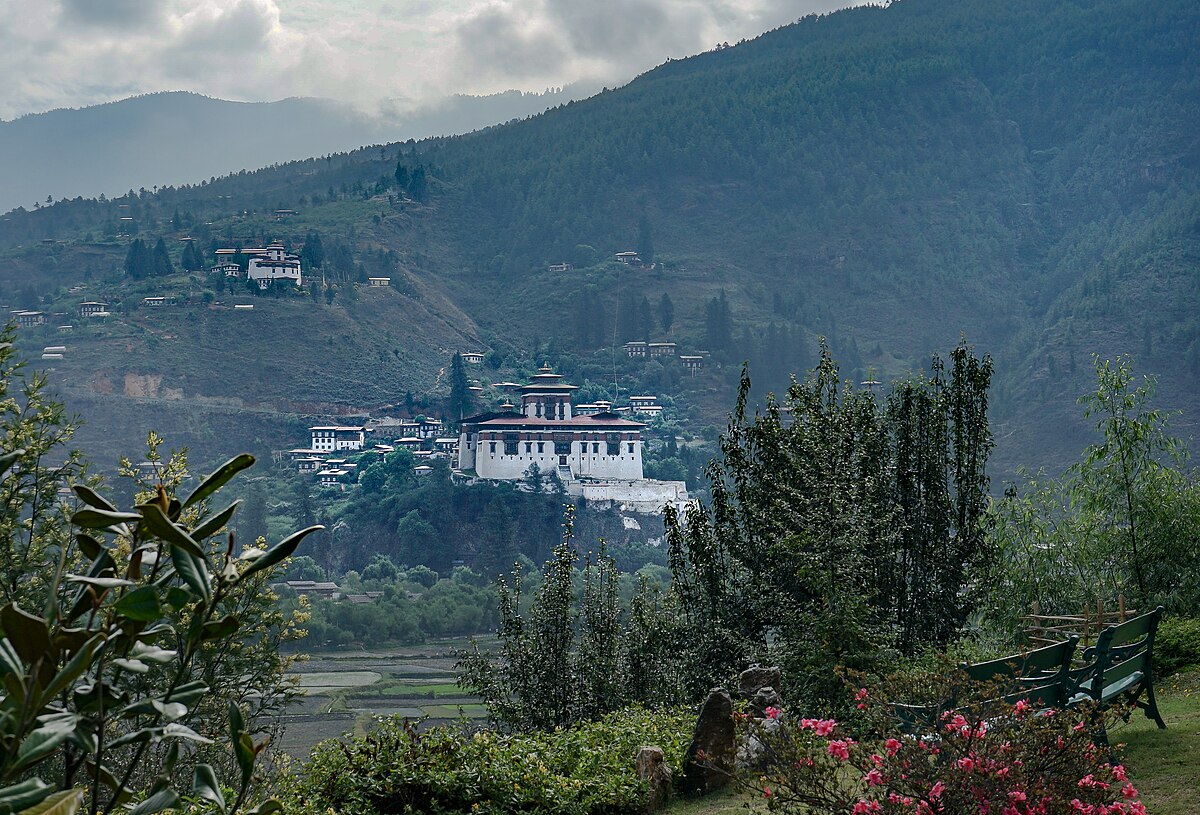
161 262
459 403
666 313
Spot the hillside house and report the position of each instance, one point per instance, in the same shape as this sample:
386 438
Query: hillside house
410 443
635 350
559 267
267 265
29 319
661 349
694 363
338 437
628 258
446 445
93 308
472 357
228 268
379 282
422 470
157 302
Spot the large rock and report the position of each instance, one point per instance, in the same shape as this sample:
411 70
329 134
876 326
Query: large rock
653 769
752 680
709 762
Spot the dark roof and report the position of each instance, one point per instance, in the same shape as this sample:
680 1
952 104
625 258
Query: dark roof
596 421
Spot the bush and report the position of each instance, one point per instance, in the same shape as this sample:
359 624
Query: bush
978 757
584 769
1176 645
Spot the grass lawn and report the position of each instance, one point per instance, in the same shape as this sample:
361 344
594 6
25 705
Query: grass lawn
1163 764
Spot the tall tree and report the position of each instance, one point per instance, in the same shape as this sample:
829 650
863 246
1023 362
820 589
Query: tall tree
161 262
459 404
666 313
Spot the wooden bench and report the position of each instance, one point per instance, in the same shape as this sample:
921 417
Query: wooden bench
1041 677
1120 667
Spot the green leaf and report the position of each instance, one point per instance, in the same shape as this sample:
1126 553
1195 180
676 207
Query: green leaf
66 802
159 524
92 498
214 524
189 692
219 629
205 785
140 604
267 807
102 518
74 669
29 635
177 598
152 653
159 801
90 547
25 794
243 749
9 459
282 550
219 478
132 665
105 583
43 741
180 731
193 572
103 564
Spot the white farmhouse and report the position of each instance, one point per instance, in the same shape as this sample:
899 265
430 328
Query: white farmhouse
337 437
271 265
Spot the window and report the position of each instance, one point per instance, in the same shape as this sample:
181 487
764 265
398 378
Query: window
562 448
528 447
614 448
510 448
541 447
492 447
595 448
630 448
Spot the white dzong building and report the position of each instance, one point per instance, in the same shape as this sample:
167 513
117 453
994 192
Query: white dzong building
547 432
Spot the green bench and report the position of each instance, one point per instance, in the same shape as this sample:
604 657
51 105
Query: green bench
1118 667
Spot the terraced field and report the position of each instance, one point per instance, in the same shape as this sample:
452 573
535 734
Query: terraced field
344 691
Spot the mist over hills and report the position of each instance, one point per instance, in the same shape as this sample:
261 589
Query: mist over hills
1026 174
177 137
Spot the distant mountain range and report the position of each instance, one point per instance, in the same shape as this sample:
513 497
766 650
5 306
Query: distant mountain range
177 137
890 178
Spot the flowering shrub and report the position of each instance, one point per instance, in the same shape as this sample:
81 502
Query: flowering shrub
990 758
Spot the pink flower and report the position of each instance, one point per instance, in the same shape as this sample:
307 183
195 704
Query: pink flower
966 764
773 712
767 792
1022 706
825 727
866 807
874 778
892 745
937 790
840 749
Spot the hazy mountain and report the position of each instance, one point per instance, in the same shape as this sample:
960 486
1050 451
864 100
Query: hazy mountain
890 178
176 138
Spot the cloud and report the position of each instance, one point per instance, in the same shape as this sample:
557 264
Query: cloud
69 53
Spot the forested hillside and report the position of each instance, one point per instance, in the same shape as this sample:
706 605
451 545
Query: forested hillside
1025 173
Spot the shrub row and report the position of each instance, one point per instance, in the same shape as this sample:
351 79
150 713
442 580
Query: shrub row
399 768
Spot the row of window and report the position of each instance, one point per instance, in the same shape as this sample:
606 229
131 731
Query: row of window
561 448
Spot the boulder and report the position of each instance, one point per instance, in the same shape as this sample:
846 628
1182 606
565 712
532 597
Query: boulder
754 679
652 768
709 762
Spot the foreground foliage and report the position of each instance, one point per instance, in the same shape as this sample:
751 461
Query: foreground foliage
397 768
125 633
993 757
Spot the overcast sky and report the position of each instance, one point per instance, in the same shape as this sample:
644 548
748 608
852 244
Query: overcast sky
71 53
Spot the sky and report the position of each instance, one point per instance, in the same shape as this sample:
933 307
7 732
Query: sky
73 53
